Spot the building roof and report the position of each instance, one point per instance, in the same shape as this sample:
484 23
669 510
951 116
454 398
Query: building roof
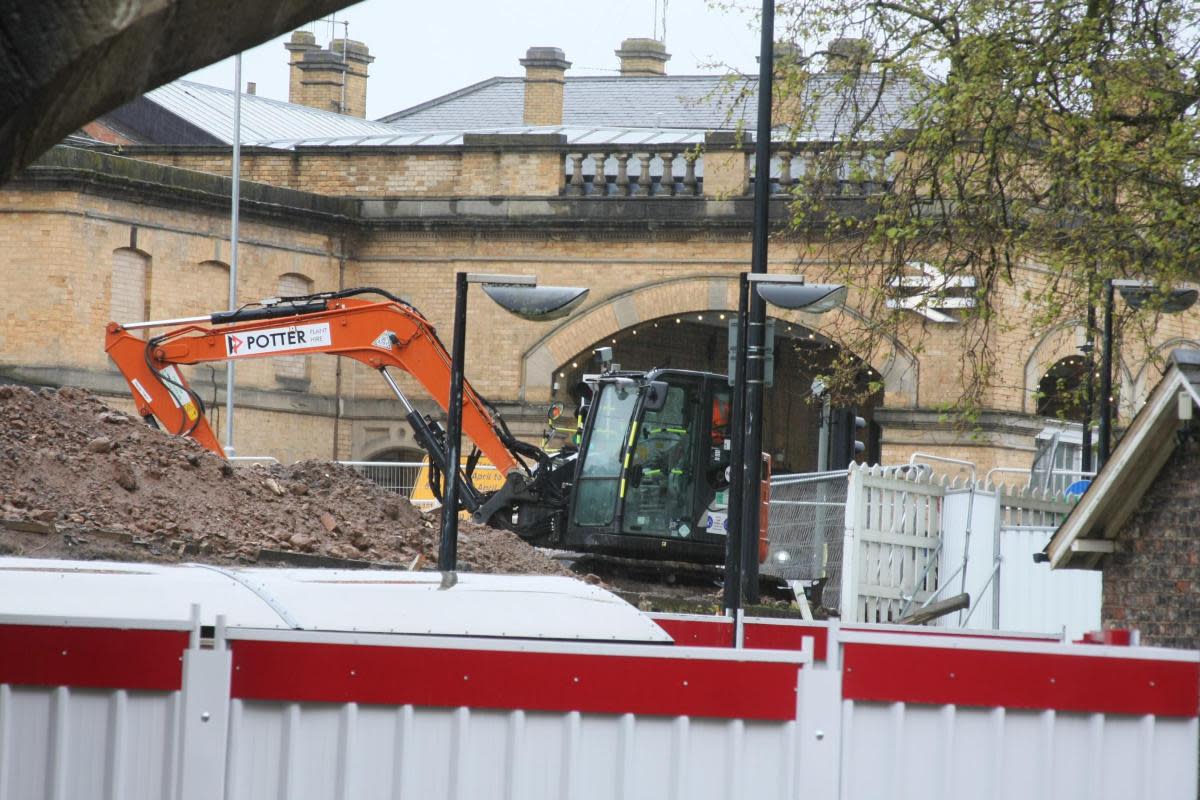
698 102
209 110
579 135
1085 536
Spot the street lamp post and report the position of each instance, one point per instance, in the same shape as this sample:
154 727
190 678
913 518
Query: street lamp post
519 295
788 292
1136 295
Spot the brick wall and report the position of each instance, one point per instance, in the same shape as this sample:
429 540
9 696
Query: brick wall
383 173
60 289
1152 581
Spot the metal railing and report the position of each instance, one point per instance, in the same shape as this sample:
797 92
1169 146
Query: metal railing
394 476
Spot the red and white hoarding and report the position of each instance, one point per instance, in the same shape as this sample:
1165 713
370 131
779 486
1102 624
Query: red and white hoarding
139 707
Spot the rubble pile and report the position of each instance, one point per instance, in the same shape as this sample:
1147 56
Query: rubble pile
80 480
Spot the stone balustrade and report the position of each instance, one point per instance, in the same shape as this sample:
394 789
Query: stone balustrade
634 172
540 165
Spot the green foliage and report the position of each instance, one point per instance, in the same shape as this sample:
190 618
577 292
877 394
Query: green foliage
1044 145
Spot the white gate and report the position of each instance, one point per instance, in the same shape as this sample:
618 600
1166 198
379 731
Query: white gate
912 539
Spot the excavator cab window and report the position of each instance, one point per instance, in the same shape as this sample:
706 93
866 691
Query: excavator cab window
665 465
600 473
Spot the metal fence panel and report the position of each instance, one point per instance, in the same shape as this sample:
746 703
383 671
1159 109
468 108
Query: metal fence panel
807 518
395 476
1036 598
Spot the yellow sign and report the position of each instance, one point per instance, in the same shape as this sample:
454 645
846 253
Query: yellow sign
486 479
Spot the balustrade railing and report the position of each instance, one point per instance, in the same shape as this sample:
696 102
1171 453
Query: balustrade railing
632 172
813 170
678 171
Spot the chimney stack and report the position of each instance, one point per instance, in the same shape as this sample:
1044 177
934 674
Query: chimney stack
643 57
848 55
545 69
331 80
301 43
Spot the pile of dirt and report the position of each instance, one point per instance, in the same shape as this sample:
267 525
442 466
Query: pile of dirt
80 480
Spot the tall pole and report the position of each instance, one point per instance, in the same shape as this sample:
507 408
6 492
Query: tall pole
233 237
737 449
1106 354
756 324
1089 349
448 547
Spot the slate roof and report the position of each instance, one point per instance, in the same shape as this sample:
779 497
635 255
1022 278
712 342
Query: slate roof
697 102
1084 537
210 109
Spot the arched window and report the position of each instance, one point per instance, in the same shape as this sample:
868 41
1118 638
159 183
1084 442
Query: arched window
291 372
129 295
213 279
1062 391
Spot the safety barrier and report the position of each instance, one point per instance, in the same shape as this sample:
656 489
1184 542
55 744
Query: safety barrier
250 712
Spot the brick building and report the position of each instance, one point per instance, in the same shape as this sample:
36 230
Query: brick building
631 184
1140 522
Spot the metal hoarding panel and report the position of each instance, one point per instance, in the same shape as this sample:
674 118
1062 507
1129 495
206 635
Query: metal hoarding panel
947 752
82 744
318 751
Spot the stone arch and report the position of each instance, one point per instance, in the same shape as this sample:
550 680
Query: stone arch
1138 380
897 365
1061 341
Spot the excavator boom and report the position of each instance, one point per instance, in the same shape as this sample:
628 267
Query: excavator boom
379 334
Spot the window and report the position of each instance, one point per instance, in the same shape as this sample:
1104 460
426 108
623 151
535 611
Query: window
129 296
1062 390
1058 459
291 372
596 497
662 479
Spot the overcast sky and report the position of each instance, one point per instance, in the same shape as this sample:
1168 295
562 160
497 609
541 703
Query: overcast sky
423 50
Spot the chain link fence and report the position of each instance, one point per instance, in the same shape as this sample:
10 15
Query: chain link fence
807 523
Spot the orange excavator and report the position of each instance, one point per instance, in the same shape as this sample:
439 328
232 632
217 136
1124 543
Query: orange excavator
646 478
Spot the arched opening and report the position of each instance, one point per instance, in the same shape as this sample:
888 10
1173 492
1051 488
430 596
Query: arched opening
129 290
698 340
1062 390
1062 396
213 285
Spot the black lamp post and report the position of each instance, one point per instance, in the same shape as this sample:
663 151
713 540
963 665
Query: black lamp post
1136 294
519 295
784 291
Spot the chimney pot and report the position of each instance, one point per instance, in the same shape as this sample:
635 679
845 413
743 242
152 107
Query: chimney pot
643 57
251 87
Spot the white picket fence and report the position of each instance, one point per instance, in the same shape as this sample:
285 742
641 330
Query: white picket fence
913 537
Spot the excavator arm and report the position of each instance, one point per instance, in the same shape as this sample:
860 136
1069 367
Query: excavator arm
383 334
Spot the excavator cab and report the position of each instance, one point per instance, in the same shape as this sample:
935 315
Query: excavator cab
651 472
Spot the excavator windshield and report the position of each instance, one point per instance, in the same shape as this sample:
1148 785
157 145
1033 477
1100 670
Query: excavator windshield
600 471
655 470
